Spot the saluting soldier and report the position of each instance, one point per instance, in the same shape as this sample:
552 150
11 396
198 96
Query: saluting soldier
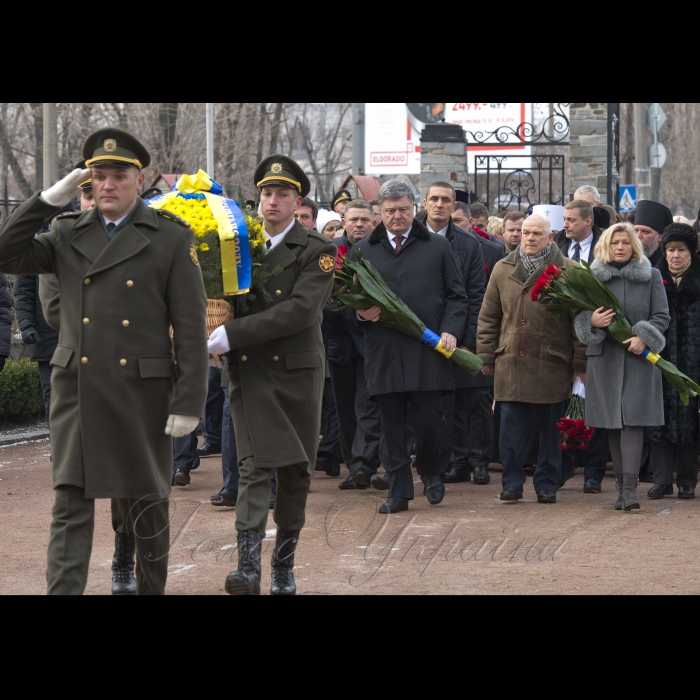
126 273
277 369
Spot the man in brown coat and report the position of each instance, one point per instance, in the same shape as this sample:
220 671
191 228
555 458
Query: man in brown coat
126 275
533 358
277 370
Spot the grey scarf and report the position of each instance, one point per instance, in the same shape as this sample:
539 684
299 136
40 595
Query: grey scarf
532 262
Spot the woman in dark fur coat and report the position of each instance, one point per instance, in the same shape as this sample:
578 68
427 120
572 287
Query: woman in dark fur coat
623 390
675 446
5 321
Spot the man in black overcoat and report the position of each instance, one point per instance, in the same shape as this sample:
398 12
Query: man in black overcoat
407 376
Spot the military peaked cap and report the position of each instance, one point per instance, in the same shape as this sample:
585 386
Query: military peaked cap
87 185
113 146
342 196
282 171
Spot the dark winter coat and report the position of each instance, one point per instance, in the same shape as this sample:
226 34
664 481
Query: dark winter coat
5 317
624 389
681 425
31 315
424 274
492 252
112 380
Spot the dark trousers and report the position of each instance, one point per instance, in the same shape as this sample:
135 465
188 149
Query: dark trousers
214 409
329 447
472 441
424 411
358 416
593 460
229 453
184 452
70 542
45 379
683 459
514 438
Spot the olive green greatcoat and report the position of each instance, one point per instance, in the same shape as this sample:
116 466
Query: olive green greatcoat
277 364
534 354
112 380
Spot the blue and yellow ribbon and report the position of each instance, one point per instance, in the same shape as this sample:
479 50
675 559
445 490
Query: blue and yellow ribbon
651 356
433 339
236 266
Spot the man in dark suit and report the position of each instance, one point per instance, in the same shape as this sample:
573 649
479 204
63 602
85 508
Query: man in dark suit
358 417
577 241
492 252
408 377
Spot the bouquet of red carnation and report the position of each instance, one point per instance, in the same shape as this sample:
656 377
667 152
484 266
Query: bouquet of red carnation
342 254
573 429
574 289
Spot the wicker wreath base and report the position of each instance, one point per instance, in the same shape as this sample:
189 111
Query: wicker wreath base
218 313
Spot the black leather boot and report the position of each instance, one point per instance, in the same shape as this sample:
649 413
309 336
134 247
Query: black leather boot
246 579
283 563
458 473
123 581
630 500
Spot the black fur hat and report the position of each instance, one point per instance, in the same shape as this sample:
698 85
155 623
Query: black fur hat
682 233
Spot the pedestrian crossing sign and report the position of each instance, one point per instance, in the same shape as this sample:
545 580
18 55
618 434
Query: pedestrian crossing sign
628 197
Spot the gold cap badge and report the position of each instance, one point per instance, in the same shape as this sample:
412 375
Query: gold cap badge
110 145
276 168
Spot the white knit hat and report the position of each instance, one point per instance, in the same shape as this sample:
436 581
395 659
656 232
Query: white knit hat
324 218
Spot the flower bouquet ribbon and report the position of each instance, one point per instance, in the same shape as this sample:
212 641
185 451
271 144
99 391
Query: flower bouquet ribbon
575 289
198 200
359 286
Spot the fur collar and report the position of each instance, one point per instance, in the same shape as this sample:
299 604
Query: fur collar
418 231
635 271
690 283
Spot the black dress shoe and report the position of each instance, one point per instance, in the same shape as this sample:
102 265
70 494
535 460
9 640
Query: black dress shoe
566 475
363 477
379 483
457 474
660 490
546 497
207 450
482 476
350 483
224 499
332 467
686 492
434 490
591 486
393 505
511 495
195 463
182 478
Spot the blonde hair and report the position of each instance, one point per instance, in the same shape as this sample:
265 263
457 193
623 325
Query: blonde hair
495 227
603 250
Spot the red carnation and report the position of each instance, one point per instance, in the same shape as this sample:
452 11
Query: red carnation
665 283
564 448
481 233
342 254
486 268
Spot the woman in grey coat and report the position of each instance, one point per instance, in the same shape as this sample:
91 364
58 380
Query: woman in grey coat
624 390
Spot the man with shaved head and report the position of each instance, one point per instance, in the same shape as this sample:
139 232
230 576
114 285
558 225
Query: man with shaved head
533 357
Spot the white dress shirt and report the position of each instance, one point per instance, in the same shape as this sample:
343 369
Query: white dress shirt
586 249
441 232
392 237
116 222
276 240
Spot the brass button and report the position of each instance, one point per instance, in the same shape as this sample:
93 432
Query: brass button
125 323
86 321
243 358
84 360
275 359
524 292
523 322
522 354
86 281
278 293
129 283
122 363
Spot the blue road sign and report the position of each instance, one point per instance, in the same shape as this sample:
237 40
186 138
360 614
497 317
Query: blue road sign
628 197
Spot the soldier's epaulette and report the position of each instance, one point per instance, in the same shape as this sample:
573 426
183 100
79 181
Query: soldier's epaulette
173 217
70 215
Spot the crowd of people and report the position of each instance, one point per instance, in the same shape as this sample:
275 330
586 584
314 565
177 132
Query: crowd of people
385 403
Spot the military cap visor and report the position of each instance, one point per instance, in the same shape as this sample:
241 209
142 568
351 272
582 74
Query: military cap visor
115 147
282 171
342 196
87 185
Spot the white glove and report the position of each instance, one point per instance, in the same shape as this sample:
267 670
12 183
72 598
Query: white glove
218 342
179 426
63 191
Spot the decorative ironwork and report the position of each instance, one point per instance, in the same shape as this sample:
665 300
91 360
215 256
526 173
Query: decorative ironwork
540 180
554 130
613 154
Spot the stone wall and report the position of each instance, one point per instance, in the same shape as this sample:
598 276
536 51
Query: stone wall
443 157
588 164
